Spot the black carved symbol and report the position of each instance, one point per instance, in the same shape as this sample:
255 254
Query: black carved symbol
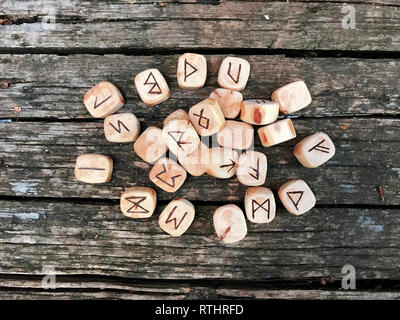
295 203
256 170
254 203
172 183
100 103
194 69
230 166
258 101
238 75
136 204
119 122
174 219
320 148
87 168
201 117
178 141
154 83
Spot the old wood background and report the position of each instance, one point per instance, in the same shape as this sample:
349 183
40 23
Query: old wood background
49 220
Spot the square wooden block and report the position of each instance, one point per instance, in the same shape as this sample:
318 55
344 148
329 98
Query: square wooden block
152 87
229 101
259 112
236 135
314 150
192 71
207 117
177 217
121 127
138 202
167 175
93 168
223 162
292 97
234 73
151 145
296 196
177 114
196 162
229 223
103 99
277 132
181 137
259 204
252 168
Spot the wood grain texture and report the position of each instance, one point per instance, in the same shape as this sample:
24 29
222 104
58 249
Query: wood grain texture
96 239
307 294
51 86
227 25
38 160
78 228
19 288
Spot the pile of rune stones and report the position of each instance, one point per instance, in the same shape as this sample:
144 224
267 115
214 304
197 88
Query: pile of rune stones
180 135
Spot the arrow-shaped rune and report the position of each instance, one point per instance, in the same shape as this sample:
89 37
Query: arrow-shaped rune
172 184
178 141
231 165
100 103
194 69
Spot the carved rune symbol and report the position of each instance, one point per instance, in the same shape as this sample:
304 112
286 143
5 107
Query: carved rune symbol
320 148
119 122
136 204
205 126
259 101
100 103
254 202
178 141
256 170
176 226
238 75
194 69
172 183
295 203
154 83
223 236
231 165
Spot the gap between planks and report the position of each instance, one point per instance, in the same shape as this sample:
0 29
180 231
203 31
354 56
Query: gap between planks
113 202
80 286
93 120
288 53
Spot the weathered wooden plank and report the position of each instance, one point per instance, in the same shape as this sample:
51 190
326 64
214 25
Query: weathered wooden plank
117 8
228 25
96 239
307 294
100 9
18 287
21 288
38 160
51 86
